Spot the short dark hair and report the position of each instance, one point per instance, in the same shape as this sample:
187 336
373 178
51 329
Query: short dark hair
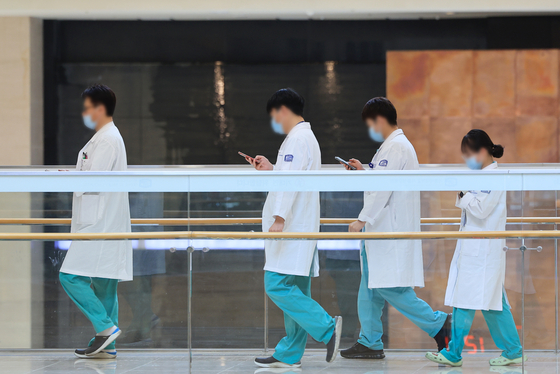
101 94
288 98
380 107
477 139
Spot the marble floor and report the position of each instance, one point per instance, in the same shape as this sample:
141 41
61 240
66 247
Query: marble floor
241 361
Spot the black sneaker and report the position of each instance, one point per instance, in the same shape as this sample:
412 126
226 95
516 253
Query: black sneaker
271 362
103 354
334 343
102 341
443 337
361 351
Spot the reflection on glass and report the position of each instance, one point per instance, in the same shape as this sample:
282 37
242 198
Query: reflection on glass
148 263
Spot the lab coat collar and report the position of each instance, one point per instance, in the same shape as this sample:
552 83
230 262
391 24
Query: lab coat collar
493 165
300 126
393 135
102 130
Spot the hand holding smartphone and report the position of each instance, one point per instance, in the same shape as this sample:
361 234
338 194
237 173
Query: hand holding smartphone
249 159
342 161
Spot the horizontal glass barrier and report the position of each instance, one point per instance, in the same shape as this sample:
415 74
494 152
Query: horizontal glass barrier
247 180
242 165
198 255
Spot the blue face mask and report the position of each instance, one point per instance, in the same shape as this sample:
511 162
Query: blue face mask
376 136
276 127
88 122
473 164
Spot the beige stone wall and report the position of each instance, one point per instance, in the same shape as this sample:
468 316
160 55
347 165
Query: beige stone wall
21 143
514 95
21 99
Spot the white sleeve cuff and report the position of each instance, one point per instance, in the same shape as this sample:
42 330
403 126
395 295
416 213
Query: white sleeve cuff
364 218
464 202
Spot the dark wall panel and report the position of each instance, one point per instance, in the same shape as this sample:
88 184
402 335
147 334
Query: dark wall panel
206 113
259 41
165 79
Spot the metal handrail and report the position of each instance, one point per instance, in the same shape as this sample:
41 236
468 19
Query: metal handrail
248 221
284 235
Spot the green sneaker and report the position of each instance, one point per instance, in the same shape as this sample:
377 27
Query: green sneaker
440 359
502 361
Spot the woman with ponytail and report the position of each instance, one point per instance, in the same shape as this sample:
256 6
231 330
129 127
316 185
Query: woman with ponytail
479 151
477 273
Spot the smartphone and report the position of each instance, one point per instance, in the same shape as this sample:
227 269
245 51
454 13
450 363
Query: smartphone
344 162
244 155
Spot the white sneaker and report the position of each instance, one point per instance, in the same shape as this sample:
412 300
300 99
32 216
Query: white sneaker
502 361
441 359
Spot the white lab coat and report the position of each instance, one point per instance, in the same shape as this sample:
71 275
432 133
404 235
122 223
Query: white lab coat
299 151
393 263
477 273
95 212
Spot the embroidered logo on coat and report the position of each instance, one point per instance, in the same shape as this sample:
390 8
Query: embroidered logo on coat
371 165
383 163
289 158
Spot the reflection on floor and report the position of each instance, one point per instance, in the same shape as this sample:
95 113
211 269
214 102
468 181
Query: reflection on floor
241 361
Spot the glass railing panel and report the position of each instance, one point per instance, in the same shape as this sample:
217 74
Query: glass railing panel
539 293
153 306
229 307
228 289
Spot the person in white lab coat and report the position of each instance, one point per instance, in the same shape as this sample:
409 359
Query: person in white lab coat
390 268
290 264
92 269
477 273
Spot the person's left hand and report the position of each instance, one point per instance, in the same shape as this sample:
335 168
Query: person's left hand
356 226
278 225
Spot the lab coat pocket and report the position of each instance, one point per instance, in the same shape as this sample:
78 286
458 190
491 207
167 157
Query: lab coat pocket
88 209
471 247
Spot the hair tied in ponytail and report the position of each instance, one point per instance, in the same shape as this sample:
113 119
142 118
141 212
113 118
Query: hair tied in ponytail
497 151
477 139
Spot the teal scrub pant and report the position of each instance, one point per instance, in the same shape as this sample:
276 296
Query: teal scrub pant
302 314
96 298
500 323
370 308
